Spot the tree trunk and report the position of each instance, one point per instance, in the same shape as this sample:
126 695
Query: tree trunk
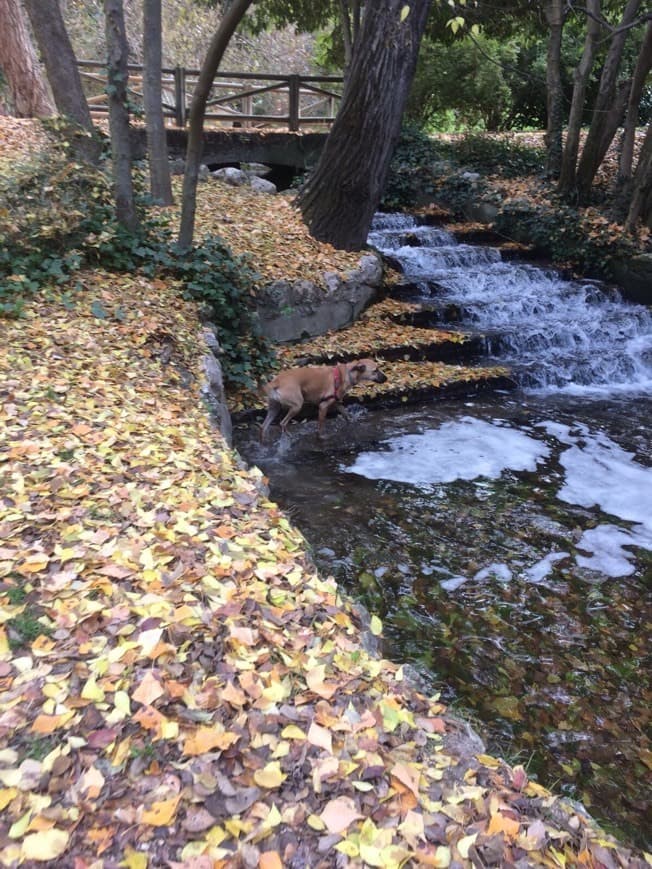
63 75
20 66
608 109
216 49
641 199
340 198
555 97
643 66
157 149
117 76
581 78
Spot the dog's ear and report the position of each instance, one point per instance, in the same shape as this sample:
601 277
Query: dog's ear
360 368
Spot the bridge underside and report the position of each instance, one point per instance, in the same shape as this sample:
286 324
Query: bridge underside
296 150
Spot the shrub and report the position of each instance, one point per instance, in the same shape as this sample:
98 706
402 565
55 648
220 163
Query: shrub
410 169
585 242
60 217
496 155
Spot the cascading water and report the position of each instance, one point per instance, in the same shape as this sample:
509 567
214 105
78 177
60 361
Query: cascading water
555 334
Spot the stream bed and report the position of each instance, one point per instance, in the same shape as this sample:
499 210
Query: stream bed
506 540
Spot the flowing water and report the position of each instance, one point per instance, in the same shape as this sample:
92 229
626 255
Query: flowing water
507 541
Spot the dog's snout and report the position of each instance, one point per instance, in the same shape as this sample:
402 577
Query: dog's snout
380 377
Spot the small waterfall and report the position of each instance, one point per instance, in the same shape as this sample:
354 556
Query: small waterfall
555 334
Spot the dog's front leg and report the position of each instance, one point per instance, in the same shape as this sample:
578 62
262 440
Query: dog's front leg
324 407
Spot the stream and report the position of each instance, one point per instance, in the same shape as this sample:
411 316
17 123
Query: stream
506 540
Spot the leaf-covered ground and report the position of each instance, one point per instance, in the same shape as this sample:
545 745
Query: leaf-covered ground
178 686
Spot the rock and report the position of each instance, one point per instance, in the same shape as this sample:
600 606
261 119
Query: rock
232 176
212 387
635 278
290 310
262 185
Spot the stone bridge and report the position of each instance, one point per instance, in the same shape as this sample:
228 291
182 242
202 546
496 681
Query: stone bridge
296 151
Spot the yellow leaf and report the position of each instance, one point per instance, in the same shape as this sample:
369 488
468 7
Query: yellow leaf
44 845
405 11
6 796
92 691
160 814
376 626
291 731
271 776
464 845
134 860
121 703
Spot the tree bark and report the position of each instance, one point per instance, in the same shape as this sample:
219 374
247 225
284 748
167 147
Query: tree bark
29 92
608 109
157 149
63 75
643 66
340 198
581 78
641 200
555 98
216 49
117 76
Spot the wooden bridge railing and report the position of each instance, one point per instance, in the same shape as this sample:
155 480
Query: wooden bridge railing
243 99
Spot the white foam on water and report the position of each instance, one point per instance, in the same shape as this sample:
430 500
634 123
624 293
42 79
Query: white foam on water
601 473
539 571
607 543
462 450
498 571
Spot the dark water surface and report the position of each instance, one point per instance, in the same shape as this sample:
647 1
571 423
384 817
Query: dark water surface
507 542
512 565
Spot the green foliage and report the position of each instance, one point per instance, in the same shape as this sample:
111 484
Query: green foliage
223 283
466 77
495 155
409 170
585 243
60 217
24 628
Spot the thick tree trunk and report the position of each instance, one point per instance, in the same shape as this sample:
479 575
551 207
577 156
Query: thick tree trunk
63 75
20 66
581 79
339 199
216 49
117 75
641 72
555 97
608 109
641 200
157 149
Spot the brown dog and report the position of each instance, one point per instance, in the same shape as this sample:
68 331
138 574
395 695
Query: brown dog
323 385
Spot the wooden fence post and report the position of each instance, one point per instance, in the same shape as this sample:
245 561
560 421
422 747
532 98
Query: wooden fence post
180 96
293 120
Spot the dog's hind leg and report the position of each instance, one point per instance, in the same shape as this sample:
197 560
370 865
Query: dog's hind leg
292 412
274 408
